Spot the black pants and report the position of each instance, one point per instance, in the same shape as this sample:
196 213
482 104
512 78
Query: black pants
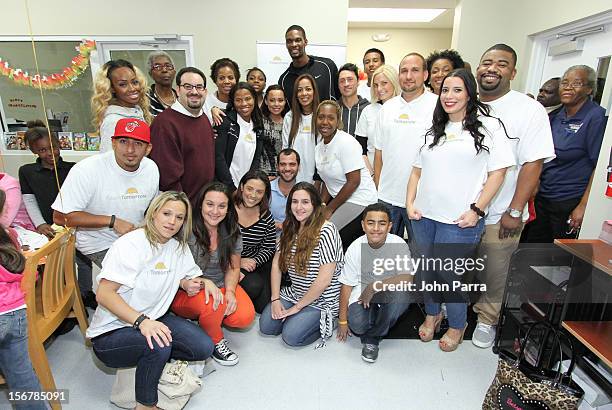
551 220
257 285
350 232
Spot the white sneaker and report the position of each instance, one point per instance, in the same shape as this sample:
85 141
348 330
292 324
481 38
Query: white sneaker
484 335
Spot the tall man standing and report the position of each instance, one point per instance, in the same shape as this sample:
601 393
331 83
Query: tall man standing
322 69
527 125
402 122
183 139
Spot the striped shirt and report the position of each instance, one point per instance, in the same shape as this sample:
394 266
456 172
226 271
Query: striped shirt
156 104
272 144
259 239
328 250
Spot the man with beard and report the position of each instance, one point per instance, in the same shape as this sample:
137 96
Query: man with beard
527 125
322 69
548 95
402 122
183 140
287 164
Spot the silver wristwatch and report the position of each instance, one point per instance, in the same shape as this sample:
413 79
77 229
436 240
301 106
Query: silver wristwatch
515 213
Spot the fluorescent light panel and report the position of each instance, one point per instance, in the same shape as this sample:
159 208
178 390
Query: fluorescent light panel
388 15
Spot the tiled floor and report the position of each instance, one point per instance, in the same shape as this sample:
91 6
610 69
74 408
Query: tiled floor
408 375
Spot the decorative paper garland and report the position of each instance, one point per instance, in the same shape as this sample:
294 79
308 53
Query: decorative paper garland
63 79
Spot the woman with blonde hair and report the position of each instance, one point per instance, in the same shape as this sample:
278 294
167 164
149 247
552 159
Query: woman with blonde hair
385 85
120 91
310 251
140 276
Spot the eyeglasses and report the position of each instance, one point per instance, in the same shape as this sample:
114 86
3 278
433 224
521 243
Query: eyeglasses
189 87
160 67
575 84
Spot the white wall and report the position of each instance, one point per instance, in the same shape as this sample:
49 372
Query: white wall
219 28
478 26
402 42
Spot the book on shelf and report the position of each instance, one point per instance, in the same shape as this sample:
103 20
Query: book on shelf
65 140
79 141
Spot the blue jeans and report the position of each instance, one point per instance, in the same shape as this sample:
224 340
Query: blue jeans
127 347
373 323
15 359
441 241
399 220
300 329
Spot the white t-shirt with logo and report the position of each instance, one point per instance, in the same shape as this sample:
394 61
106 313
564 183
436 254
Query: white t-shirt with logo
244 151
366 126
527 122
453 174
341 156
400 130
149 277
99 186
304 143
352 272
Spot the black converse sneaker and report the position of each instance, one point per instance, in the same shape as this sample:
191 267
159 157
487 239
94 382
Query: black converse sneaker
369 352
224 355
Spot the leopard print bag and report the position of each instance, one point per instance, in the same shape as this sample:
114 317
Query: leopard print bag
519 386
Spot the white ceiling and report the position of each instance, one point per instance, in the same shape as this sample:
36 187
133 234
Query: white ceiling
444 20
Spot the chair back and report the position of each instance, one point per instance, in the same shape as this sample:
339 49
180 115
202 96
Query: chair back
50 297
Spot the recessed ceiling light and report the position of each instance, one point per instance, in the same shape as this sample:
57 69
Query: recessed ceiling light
388 15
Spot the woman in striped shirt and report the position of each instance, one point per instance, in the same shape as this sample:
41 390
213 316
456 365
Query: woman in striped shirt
310 250
258 236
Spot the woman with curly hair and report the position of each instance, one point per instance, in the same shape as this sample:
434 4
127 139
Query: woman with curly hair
439 64
456 173
119 92
310 251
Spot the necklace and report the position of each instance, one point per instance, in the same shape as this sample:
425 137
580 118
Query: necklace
164 103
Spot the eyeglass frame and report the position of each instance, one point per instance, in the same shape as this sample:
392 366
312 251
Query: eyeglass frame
575 85
188 87
160 67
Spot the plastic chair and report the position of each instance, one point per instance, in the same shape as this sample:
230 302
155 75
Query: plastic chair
50 298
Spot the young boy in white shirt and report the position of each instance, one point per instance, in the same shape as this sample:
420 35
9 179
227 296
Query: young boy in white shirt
374 294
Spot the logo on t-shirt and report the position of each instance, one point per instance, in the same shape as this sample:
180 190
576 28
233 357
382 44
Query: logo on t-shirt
403 119
132 193
160 269
249 137
306 128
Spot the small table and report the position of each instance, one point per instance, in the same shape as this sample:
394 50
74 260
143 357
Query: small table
596 336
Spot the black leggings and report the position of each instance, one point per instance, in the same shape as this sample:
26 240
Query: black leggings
257 285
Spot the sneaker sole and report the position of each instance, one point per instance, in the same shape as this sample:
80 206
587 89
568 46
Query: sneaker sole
226 362
367 359
482 345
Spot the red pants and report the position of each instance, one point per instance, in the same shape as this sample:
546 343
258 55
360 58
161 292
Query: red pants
210 320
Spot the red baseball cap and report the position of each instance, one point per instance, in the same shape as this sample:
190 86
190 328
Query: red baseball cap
133 128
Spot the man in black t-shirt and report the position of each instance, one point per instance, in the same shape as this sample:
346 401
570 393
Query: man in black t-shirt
322 69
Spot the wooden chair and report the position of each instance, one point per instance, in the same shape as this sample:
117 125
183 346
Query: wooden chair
51 298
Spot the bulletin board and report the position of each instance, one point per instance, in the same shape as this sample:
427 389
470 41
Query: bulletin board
273 58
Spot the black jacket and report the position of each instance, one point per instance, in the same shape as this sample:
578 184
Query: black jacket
225 144
324 72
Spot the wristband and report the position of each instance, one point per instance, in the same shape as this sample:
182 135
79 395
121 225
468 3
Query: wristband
274 300
111 224
139 320
343 322
478 211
